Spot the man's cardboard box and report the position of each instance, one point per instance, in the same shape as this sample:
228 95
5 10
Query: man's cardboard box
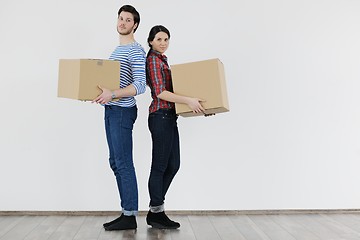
204 80
79 78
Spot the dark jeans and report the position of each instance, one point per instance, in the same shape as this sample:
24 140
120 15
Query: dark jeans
119 123
165 153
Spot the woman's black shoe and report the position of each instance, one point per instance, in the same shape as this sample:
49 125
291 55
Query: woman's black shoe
161 221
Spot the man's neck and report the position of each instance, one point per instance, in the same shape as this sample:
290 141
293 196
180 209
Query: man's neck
126 39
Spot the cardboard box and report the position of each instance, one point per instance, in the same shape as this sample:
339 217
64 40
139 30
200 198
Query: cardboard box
79 78
204 80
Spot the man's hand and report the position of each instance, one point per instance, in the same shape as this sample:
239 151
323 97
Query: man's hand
104 97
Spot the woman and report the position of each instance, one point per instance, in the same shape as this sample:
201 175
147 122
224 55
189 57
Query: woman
162 124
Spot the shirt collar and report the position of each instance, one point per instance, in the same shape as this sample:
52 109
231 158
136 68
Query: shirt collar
158 54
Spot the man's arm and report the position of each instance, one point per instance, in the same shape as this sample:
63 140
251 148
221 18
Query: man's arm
107 95
137 58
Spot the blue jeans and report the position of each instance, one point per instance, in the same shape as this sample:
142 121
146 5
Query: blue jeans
119 123
165 154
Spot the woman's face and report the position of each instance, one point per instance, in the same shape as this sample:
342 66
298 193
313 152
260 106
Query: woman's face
160 42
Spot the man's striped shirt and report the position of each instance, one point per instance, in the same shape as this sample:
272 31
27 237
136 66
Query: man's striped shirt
132 71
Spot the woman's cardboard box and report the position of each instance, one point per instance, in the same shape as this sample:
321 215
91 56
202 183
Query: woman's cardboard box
204 80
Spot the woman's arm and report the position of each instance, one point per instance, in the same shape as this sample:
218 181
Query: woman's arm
193 103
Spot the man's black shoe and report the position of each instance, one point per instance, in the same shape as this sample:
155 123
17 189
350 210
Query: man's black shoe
161 221
125 223
113 221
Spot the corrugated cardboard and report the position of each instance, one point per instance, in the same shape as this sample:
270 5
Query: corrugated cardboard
204 80
79 78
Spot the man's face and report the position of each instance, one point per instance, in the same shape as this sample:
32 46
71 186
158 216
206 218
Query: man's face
125 25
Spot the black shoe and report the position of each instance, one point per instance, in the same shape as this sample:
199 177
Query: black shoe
161 221
125 223
113 221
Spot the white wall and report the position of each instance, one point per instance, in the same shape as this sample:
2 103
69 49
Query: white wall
290 141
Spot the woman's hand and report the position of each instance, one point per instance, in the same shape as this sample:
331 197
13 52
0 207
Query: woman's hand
104 97
195 105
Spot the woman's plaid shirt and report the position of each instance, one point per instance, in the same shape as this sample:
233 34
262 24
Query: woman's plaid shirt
158 78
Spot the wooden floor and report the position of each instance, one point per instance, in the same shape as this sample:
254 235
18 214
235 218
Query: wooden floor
208 227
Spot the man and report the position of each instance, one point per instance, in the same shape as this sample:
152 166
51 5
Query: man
120 115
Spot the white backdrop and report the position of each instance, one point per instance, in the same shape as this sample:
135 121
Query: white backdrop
290 141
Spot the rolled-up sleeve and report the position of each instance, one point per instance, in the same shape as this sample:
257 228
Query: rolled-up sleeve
138 70
155 75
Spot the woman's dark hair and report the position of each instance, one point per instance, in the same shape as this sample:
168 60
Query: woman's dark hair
154 30
132 10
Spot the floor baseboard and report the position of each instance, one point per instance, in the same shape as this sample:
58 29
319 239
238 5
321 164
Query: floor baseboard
183 212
